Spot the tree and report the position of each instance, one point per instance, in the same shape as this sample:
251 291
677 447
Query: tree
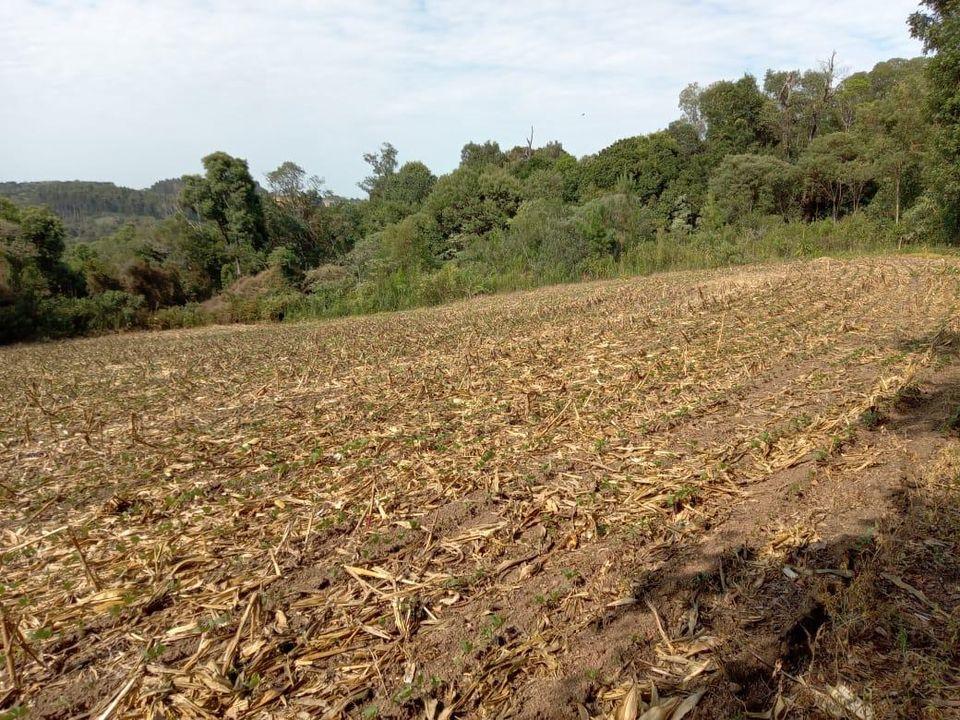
291 186
648 163
819 90
747 184
470 202
837 173
487 153
44 230
397 195
896 135
611 222
938 26
415 242
383 165
157 285
543 240
32 245
227 196
410 185
690 107
734 115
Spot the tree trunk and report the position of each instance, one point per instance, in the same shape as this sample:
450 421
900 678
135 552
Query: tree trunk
896 212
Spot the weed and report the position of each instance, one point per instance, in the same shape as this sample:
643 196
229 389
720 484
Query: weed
154 651
872 418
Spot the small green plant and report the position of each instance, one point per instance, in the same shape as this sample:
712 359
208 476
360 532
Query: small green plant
871 418
570 573
43 633
494 623
404 694
682 496
154 651
485 458
252 683
550 600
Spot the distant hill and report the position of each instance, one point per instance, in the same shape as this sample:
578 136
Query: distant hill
92 210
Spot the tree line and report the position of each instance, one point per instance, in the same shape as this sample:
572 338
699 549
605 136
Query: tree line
796 163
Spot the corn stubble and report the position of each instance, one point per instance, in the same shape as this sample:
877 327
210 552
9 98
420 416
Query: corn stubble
440 513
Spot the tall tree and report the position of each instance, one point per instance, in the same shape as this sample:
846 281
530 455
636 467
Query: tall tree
383 165
938 26
896 132
487 153
734 113
227 196
690 107
295 190
837 173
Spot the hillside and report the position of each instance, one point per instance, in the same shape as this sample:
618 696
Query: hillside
92 210
711 493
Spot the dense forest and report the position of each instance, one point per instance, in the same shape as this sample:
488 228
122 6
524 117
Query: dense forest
797 163
91 210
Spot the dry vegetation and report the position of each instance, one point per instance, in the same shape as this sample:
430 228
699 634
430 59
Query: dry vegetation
724 494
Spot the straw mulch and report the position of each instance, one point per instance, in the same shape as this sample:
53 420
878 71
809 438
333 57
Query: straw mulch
446 513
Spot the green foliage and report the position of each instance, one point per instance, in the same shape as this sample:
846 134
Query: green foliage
734 115
227 196
611 223
938 26
470 202
544 241
181 316
92 210
383 165
398 195
414 242
487 153
647 163
837 174
286 263
745 185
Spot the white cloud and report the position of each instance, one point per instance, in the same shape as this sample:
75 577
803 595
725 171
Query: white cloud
131 91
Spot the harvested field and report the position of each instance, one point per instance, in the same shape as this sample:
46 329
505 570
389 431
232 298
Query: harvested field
699 495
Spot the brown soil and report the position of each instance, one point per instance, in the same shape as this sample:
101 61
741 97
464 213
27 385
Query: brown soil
540 505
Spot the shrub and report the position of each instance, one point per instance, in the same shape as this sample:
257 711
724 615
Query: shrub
116 310
180 316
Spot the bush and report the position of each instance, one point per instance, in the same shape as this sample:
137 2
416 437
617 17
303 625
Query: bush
543 241
115 310
112 311
18 320
285 263
451 282
922 223
276 307
181 316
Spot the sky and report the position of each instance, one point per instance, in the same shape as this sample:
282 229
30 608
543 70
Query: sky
132 91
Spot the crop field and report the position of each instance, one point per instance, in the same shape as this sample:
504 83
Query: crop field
696 495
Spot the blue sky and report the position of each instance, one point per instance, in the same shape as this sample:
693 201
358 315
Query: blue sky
132 91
